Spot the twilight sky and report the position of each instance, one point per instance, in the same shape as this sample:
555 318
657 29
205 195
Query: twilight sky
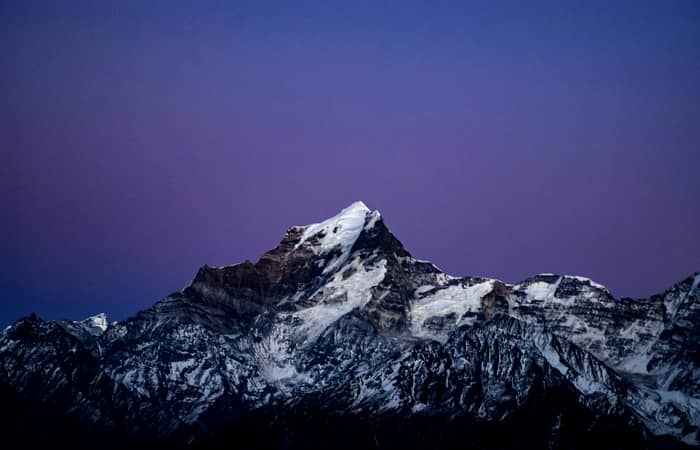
140 142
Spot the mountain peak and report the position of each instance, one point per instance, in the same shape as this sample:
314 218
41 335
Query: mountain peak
340 318
97 322
338 232
357 205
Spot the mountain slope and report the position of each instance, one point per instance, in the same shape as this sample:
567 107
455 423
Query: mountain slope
340 328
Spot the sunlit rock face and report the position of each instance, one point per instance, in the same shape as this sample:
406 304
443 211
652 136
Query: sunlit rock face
338 337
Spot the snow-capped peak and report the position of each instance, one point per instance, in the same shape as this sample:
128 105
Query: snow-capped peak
357 206
581 279
341 230
587 280
375 333
98 321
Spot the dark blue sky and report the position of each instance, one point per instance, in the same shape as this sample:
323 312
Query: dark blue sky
500 139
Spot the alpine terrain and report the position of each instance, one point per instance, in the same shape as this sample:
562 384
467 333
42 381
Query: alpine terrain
339 338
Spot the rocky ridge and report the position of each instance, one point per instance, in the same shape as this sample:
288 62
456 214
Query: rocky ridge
340 324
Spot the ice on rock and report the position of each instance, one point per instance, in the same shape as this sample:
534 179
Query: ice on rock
674 304
373 218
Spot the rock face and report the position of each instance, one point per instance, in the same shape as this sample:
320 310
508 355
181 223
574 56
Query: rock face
340 338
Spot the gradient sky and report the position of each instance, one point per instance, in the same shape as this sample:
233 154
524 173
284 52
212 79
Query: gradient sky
141 140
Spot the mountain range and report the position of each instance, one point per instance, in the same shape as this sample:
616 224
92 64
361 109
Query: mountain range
339 338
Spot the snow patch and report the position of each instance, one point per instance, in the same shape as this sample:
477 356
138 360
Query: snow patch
340 297
453 300
540 291
178 368
552 357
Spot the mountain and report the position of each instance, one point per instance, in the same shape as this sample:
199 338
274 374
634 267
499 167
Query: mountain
339 338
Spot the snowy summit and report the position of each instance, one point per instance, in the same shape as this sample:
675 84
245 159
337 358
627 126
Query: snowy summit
340 333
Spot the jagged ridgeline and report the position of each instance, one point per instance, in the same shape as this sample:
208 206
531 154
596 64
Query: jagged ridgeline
339 338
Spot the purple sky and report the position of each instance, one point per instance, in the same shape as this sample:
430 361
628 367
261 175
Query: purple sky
141 142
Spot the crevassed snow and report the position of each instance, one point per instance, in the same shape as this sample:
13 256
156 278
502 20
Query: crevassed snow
455 300
341 230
